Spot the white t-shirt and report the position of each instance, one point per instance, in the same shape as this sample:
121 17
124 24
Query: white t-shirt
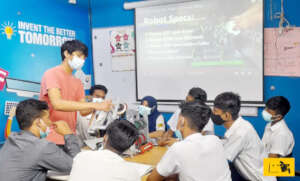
278 139
102 165
209 127
244 148
82 127
196 158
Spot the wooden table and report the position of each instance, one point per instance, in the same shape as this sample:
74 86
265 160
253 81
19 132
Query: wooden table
151 157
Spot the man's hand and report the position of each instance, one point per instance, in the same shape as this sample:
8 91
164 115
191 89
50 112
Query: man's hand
167 141
171 141
12 113
103 106
62 128
156 134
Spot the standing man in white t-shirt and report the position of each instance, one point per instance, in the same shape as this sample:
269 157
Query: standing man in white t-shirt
197 157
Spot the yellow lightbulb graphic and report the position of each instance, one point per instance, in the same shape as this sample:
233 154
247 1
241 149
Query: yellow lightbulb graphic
9 32
8 29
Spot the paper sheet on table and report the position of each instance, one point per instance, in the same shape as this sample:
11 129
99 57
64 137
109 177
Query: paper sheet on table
142 169
282 52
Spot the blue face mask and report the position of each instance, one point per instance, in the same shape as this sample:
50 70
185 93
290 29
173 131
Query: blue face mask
43 134
143 110
178 135
46 133
267 116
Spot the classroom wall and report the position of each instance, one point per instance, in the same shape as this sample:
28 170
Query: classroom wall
110 13
29 61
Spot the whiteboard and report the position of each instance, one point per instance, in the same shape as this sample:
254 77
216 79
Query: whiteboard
119 84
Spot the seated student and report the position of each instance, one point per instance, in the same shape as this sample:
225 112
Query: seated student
242 145
97 93
156 122
195 94
277 138
27 157
107 164
197 157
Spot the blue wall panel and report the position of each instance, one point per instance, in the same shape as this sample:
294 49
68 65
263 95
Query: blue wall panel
27 61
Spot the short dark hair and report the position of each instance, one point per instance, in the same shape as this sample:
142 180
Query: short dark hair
98 87
229 102
72 46
197 114
279 104
121 135
29 110
198 94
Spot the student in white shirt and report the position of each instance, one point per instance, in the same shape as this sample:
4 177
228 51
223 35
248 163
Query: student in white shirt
156 122
195 94
278 138
107 164
241 142
197 157
97 93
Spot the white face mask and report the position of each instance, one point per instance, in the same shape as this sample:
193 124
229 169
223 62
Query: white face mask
76 63
144 111
98 100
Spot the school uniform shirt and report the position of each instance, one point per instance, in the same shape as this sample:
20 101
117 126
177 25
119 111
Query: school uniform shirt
102 165
278 139
209 127
82 127
196 158
244 148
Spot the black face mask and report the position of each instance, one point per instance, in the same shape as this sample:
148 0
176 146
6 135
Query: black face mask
217 119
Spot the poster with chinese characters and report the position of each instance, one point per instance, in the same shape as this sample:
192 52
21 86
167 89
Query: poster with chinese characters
122 46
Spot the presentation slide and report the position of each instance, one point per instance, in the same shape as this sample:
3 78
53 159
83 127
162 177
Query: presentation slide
213 44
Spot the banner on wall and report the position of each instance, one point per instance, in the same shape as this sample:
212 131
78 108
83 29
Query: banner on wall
282 52
36 34
41 35
122 49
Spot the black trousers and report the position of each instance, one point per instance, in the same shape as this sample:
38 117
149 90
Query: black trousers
235 176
